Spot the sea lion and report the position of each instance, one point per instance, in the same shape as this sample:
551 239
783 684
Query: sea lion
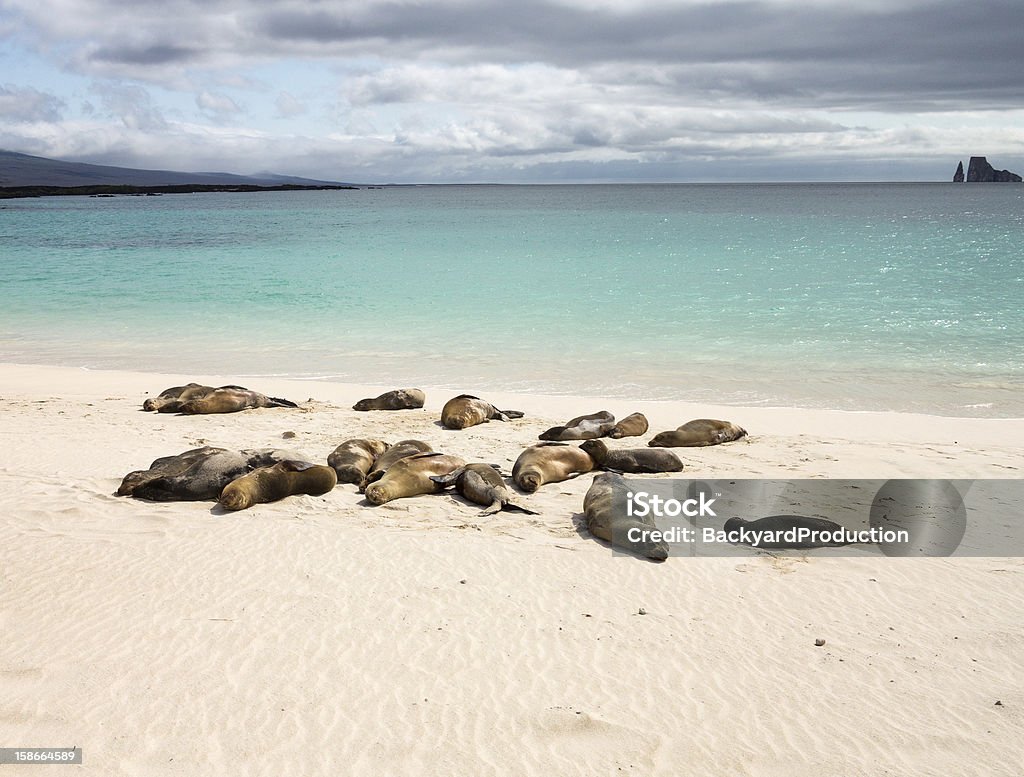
632 425
396 452
353 459
483 484
698 433
399 399
268 484
743 532
605 509
549 462
584 427
197 474
231 399
171 399
631 459
411 477
465 410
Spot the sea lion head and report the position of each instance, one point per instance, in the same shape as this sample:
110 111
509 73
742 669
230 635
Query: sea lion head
236 496
662 440
734 524
364 404
377 493
596 449
529 480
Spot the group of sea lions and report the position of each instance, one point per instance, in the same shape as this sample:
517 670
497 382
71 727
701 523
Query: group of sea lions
384 472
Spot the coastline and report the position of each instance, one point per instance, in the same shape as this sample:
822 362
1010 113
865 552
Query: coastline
319 633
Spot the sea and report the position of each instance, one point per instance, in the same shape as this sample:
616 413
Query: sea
856 296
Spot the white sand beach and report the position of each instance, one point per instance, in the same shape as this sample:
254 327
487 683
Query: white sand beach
317 635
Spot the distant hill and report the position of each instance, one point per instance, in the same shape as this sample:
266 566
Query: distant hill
25 170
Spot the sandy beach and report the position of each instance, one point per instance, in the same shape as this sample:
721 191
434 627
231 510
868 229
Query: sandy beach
318 635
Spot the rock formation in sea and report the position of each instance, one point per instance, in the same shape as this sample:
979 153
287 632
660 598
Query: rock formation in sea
980 171
958 176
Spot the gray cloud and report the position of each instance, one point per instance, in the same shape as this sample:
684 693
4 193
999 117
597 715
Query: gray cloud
29 104
158 54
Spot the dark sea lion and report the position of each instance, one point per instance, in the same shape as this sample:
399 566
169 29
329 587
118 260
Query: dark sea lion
399 399
483 484
736 527
698 433
231 399
632 425
197 474
584 427
465 410
353 459
631 459
549 462
411 476
268 484
170 400
396 452
605 509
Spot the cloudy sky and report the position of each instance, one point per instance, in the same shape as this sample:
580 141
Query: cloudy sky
518 90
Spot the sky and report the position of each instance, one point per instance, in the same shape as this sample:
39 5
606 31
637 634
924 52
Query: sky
519 91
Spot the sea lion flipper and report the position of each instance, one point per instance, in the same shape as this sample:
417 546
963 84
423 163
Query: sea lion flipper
518 508
296 466
278 402
448 480
511 414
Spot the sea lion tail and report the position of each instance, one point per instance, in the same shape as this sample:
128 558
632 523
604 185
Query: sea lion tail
278 402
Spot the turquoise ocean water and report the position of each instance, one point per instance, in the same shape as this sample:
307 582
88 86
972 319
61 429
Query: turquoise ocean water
854 296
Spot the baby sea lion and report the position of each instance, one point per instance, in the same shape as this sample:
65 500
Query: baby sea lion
584 427
231 399
200 473
809 532
632 425
268 484
464 411
170 400
549 462
483 484
698 433
605 509
411 476
396 452
631 459
399 399
353 459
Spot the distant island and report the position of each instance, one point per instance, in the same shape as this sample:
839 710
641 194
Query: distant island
980 171
23 175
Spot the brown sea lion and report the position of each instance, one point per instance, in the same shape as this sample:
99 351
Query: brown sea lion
170 400
632 425
483 484
396 452
399 399
465 410
269 484
353 459
584 427
811 532
698 433
631 459
411 477
605 509
549 462
197 474
231 399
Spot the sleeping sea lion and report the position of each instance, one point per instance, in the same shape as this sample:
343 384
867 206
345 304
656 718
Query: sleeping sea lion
584 427
268 484
631 459
411 477
743 532
483 484
396 452
231 399
197 474
698 433
605 509
465 410
353 459
170 400
632 425
399 399
549 462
